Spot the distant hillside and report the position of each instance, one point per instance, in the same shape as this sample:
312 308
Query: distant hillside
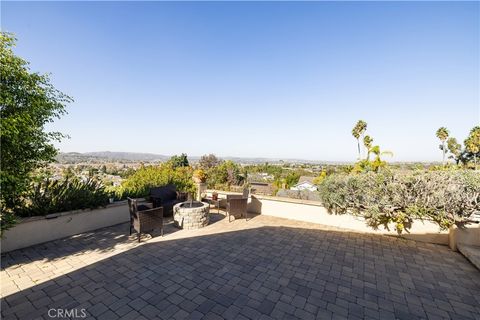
109 156
130 156
104 156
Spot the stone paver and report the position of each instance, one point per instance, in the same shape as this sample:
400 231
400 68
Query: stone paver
266 268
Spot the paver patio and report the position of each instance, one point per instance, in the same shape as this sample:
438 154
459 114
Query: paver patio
266 268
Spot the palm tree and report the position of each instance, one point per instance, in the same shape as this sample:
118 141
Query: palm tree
378 162
376 151
367 142
358 132
472 144
442 134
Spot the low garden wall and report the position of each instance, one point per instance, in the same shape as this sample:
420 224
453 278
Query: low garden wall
35 230
469 236
313 211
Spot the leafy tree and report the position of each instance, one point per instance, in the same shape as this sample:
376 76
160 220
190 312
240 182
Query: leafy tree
179 161
323 174
442 134
472 144
232 172
287 180
291 179
357 132
209 161
275 171
454 148
28 101
226 174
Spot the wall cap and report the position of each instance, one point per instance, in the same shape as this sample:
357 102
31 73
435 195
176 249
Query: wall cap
51 216
273 198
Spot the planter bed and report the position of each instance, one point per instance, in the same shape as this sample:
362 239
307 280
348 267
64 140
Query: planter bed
35 230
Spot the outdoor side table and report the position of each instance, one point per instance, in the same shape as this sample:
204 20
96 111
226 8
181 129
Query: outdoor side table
215 203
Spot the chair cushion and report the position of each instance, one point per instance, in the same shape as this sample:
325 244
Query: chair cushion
165 193
142 207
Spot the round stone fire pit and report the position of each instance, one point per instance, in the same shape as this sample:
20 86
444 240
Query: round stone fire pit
191 215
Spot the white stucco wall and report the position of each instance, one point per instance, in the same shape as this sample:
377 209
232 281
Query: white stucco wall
313 211
469 235
35 230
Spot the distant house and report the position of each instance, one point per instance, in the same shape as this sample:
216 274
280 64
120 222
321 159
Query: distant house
260 177
305 183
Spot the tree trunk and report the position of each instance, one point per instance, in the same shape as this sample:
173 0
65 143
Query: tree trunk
358 145
363 146
443 154
475 161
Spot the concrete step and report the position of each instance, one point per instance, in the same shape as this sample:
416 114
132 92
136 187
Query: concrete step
472 253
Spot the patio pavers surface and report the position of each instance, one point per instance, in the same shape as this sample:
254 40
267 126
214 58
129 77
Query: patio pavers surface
266 268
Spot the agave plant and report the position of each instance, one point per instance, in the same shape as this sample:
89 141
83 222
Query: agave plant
50 196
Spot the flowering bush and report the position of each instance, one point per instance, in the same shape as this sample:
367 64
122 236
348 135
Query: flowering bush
446 197
200 175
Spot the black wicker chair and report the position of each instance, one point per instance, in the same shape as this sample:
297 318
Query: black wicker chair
166 197
143 219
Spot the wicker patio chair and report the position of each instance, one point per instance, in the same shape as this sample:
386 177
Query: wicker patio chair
237 205
167 197
144 219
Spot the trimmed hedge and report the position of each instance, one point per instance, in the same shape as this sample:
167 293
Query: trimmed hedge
394 197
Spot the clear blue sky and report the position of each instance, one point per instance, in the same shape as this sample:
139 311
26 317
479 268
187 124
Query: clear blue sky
286 80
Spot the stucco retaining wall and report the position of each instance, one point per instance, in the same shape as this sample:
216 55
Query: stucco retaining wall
468 235
35 230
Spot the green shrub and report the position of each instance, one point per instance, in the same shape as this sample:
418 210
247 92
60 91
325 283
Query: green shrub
49 196
139 184
7 220
225 175
446 197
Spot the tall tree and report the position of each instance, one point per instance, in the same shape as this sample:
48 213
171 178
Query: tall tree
472 144
28 101
358 132
179 161
209 161
442 134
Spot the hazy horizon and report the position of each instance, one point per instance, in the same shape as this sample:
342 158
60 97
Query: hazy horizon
198 156
284 80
